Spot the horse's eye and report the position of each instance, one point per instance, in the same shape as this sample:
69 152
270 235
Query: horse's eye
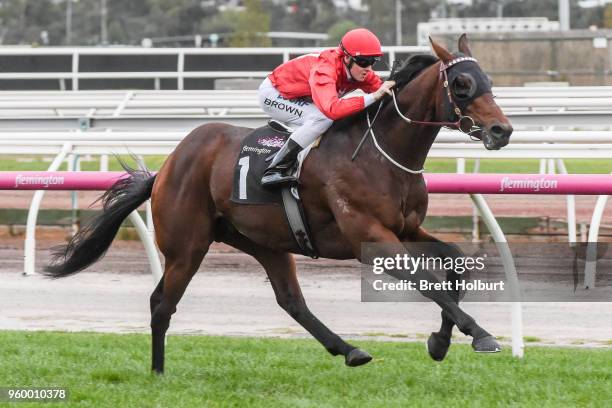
464 86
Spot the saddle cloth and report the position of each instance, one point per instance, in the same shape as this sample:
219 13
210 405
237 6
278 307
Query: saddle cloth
251 164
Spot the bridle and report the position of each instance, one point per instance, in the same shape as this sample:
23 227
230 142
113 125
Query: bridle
463 121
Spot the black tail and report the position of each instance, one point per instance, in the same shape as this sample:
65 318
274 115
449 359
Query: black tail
93 240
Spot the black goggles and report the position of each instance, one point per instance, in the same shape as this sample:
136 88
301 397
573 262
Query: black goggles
365 62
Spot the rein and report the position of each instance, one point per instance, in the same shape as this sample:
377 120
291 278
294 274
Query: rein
380 149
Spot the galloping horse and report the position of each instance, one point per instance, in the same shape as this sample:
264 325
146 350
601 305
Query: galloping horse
380 197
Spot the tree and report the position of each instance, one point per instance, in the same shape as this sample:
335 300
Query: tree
22 21
608 16
325 16
336 31
381 19
248 25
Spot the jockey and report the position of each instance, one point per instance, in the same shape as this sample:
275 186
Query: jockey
307 91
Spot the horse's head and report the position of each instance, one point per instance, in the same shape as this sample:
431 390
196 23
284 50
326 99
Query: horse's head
467 92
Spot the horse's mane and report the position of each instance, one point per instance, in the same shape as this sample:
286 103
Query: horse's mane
410 69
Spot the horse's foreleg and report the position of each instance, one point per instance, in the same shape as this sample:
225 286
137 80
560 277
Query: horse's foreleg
280 268
439 342
451 313
363 228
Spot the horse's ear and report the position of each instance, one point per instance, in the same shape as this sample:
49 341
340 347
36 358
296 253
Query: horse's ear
440 51
463 45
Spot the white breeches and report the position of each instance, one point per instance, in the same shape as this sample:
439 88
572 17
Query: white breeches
300 112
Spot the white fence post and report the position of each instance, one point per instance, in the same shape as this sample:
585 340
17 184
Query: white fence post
591 255
510 270
30 239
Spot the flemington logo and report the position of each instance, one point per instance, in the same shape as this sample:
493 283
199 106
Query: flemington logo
43 181
532 184
257 150
273 141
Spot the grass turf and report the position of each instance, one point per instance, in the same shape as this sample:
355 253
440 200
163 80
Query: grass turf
113 370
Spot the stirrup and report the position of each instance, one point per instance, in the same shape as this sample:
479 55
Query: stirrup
276 178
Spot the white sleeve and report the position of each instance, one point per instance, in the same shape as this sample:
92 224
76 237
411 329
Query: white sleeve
368 99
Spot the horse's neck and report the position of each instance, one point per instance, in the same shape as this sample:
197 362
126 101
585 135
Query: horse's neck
407 143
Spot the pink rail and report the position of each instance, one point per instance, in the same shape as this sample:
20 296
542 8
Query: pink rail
580 184
58 180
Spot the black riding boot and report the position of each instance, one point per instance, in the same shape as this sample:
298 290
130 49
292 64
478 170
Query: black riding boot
279 171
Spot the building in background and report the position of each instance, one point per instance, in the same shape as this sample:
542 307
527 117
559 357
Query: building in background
458 26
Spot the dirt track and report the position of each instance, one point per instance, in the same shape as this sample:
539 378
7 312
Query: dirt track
230 295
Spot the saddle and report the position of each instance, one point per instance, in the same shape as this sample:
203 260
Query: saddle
256 147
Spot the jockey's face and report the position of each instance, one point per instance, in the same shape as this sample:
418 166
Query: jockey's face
358 73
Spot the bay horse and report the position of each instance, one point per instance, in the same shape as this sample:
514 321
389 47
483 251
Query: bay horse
380 197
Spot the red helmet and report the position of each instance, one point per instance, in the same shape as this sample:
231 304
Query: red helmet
361 42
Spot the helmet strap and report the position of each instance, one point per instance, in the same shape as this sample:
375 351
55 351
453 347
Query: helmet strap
350 63
349 66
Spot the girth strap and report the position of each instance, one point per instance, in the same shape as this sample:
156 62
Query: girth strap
296 217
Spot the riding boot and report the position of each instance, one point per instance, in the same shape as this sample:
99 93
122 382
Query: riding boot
281 169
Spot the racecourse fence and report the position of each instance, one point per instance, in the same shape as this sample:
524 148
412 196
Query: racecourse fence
244 103
177 68
526 144
111 121
473 184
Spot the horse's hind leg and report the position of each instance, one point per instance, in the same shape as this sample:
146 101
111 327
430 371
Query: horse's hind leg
184 241
177 275
280 268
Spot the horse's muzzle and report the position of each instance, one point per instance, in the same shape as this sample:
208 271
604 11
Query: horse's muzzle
497 135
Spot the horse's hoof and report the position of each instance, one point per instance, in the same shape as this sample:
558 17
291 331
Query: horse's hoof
437 346
486 344
357 357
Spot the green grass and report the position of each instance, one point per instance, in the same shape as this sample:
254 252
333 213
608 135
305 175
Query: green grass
39 163
113 371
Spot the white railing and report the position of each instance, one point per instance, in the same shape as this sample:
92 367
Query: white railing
525 106
583 120
179 73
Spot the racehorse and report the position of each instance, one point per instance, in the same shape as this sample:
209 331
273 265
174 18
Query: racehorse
379 197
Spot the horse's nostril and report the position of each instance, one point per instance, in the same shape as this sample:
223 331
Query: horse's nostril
497 131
